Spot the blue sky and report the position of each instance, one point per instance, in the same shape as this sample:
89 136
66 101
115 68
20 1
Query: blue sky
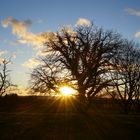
39 16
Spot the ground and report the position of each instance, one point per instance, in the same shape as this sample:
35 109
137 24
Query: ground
60 119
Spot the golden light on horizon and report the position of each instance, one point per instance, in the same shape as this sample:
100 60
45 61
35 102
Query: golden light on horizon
67 91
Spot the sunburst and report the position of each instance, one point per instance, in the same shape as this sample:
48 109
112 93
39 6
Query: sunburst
67 91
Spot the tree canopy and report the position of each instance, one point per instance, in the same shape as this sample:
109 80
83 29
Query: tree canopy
80 57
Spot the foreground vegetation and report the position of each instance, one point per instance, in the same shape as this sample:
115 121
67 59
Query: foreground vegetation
42 118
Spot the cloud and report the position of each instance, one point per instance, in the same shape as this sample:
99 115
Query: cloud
137 34
32 63
69 29
2 52
83 22
40 21
41 53
2 58
36 40
14 56
20 29
133 12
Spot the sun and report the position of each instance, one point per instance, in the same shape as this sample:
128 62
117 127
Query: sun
67 91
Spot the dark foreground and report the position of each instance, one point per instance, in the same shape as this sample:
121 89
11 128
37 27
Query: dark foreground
61 119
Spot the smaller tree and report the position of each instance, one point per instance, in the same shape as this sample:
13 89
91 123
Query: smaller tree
4 76
125 74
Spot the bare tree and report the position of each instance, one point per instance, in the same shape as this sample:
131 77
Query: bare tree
4 76
44 78
81 57
136 96
126 74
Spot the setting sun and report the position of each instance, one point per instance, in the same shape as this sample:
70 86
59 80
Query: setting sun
67 91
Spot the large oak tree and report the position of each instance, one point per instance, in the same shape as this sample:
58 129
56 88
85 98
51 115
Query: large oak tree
80 57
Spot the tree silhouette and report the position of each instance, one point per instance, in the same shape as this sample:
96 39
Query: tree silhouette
4 76
126 74
80 57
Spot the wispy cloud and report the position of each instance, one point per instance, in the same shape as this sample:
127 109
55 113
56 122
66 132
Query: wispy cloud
36 40
137 34
40 21
83 22
41 53
25 36
2 56
31 63
20 29
2 52
14 56
132 11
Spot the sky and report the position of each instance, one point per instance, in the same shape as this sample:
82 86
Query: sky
23 21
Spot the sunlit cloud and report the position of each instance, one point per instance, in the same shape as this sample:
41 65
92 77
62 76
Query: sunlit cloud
137 34
1 55
14 56
83 22
13 43
41 53
20 29
36 40
25 36
133 11
2 52
69 29
31 63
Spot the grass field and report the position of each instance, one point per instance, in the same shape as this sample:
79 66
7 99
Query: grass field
60 119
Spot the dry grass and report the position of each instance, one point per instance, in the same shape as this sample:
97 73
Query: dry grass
60 119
